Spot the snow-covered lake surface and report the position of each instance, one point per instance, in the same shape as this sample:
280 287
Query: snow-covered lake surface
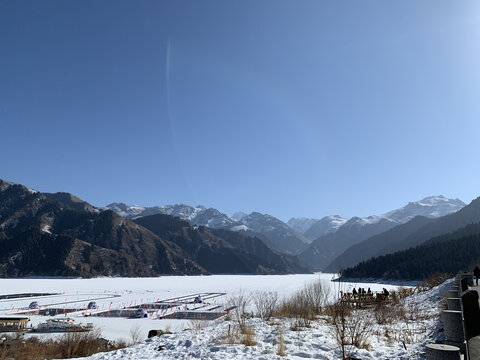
111 293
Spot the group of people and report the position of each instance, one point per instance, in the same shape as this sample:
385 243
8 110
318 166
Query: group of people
361 291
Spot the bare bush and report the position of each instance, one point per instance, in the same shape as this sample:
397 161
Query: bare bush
388 312
265 303
316 294
433 281
135 334
70 345
240 304
352 328
305 304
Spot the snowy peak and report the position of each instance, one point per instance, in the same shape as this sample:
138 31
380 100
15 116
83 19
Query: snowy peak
277 234
213 218
301 224
182 211
324 226
238 216
431 207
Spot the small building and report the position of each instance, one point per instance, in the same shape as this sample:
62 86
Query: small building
13 323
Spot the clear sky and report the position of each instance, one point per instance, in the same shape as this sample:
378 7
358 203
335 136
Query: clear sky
292 108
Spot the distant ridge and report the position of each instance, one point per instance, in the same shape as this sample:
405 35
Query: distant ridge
449 253
321 252
271 230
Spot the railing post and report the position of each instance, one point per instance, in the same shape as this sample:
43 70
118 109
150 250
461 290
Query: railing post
442 352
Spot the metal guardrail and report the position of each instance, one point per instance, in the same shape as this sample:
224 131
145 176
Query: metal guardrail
461 323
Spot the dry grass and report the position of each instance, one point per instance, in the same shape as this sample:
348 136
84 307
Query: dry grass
71 345
198 324
248 338
281 348
239 335
433 281
305 305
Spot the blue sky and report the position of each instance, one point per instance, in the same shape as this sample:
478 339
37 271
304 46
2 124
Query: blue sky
293 108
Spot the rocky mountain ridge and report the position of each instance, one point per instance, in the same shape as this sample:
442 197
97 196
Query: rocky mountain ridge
62 235
273 231
320 253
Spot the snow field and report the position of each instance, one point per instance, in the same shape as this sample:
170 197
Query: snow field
209 342
317 342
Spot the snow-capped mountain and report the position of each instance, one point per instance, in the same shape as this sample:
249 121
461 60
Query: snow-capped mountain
182 211
198 215
273 231
301 224
213 218
431 207
283 237
327 247
238 216
326 225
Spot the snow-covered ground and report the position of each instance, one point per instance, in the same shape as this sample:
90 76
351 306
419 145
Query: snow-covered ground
114 293
317 342
401 340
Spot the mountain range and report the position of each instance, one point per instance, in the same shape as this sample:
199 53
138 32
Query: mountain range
320 253
277 234
62 235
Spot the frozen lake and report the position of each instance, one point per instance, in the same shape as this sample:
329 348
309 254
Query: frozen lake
115 293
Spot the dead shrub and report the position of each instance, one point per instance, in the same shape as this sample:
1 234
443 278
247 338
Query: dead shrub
404 292
70 345
237 335
434 280
388 312
135 334
306 304
239 305
265 303
352 328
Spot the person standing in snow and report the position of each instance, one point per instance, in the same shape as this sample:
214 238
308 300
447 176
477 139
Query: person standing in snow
476 272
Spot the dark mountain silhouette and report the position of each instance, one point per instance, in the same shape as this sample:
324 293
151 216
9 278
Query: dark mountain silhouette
221 250
321 251
449 253
60 234
376 245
